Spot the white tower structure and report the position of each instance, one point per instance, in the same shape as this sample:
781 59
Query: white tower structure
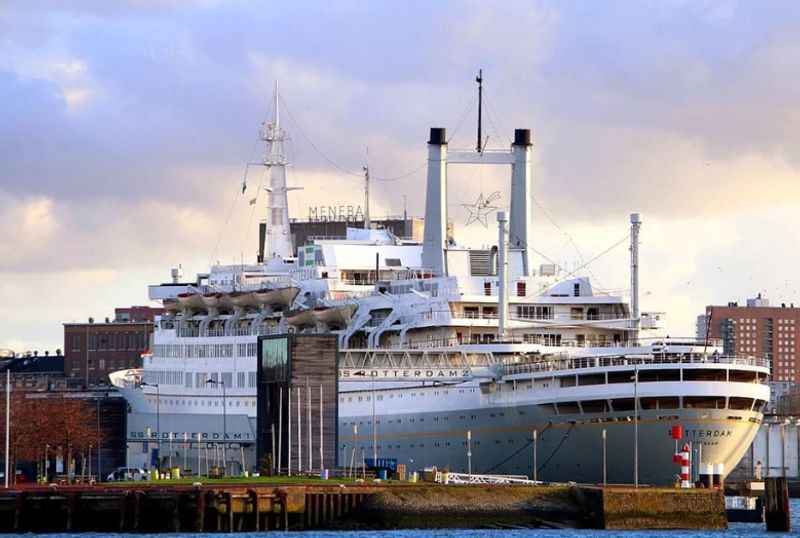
502 275
636 223
519 233
433 249
279 239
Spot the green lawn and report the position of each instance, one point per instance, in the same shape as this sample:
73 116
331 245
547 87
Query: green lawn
310 480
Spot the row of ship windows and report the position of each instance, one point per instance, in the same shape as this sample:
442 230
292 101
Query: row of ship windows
659 375
399 395
669 402
200 402
605 406
203 351
412 420
475 443
209 380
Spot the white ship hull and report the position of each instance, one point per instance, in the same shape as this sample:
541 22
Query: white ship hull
425 426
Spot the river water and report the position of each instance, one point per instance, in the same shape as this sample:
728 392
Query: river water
736 530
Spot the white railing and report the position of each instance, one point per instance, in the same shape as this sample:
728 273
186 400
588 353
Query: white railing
559 364
444 477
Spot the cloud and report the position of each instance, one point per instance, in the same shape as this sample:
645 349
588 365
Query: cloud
127 127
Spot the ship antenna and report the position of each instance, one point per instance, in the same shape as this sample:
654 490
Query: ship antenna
479 80
276 119
367 223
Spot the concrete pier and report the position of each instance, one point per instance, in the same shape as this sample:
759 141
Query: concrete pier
325 505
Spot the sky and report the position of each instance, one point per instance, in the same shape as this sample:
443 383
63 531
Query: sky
125 128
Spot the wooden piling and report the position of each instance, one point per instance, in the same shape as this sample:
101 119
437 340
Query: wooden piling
71 501
776 506
176 513
200 511
137 510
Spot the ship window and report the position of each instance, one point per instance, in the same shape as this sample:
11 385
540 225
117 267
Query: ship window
520 289
743 404
594 406
620 377
660 403
567 381
568 408
760 404
703 374
703 402
622 404
646 376
743 376
591 379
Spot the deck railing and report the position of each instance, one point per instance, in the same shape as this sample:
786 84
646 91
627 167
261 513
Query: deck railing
576 363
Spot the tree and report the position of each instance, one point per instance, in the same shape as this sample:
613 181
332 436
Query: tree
39 420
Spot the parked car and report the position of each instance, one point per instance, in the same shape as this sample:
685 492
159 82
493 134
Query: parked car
127 473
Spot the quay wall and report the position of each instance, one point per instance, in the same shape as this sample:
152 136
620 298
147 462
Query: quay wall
329 505
626 508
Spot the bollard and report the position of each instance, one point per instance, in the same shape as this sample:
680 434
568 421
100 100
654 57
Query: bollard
776 505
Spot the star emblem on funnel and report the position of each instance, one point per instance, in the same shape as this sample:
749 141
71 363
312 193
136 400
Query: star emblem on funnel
482 208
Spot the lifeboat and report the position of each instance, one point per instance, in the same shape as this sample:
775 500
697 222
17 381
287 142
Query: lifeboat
301 318
212 300
190 300
339 316
225 302
242 299
277 297
171 305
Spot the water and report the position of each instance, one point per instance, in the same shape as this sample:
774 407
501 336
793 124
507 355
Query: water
736 530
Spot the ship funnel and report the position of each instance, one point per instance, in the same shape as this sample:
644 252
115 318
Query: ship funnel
433 249
521 215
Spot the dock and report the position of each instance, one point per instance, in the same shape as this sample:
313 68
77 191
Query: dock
317 504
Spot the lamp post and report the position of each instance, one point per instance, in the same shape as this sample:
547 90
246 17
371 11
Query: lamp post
469 452
224 424
158 422
636 425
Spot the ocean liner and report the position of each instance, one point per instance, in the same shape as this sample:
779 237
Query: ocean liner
450 356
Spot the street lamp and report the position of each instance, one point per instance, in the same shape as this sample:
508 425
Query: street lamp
224 424
158 422
635 425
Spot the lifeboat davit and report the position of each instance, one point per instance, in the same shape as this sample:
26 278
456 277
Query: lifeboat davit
277 297
190 300
339 316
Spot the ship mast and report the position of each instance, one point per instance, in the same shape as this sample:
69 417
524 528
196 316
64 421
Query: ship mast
278 236
367 223
634 248
479 80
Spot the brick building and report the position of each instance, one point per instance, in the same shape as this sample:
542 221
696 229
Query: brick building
93 350
757 329
136 313
35 372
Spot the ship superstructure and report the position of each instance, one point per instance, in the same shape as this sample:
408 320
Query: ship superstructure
438 339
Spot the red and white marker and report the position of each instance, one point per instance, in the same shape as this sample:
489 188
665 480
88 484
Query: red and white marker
686 480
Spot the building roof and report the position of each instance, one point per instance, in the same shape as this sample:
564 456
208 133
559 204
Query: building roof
39 364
